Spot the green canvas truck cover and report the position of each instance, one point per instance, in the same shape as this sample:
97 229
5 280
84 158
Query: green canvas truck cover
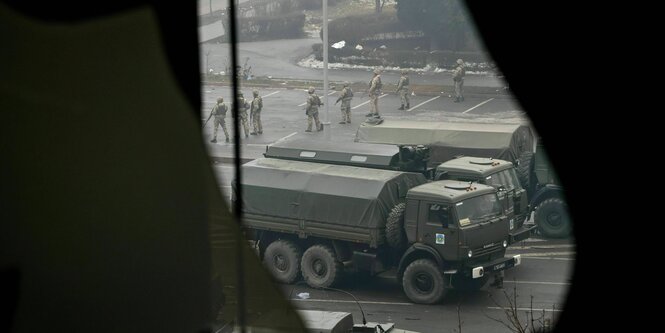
356 154
447 139
324 193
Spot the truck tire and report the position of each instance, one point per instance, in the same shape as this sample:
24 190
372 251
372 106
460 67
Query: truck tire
469 284
423 282
552 218
282 259
395 235
525 171
320 267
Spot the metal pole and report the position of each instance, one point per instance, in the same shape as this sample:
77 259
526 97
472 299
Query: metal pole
326 121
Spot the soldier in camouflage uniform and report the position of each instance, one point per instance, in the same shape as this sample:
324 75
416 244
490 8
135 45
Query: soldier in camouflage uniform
256 106
345 97
374 93
242 112
219 111
458 79
312 110
403 90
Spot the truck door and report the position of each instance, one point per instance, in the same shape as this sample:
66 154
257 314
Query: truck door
438 229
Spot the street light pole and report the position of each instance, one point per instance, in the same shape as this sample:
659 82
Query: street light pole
326 121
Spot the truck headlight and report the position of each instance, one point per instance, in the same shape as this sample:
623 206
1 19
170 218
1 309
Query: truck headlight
470 254
505 243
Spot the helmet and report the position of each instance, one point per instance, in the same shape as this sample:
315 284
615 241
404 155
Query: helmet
310 90
405 72
346 83
240 94
255 92
377 71
219 100
460 61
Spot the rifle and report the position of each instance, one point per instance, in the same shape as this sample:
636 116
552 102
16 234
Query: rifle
206 123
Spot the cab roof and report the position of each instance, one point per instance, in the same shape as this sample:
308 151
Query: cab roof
450 191
476 165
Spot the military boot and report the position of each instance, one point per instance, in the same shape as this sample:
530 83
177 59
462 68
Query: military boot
214 140
408 106
227 139
253 133
401 107
342 122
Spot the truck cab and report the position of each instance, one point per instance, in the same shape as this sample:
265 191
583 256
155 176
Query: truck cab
499 174
459 227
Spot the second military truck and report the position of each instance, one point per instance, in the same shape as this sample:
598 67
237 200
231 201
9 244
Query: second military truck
317 220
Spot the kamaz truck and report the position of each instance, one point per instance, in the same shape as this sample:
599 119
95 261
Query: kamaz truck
318 220
514 143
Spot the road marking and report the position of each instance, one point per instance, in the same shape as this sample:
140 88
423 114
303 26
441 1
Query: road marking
487 101
563 259
541 247
359 105
547 254
524 309
272 93
341 301
427 101
538 282
284 138
303 104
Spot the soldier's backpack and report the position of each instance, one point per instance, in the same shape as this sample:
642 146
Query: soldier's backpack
350 92
317 100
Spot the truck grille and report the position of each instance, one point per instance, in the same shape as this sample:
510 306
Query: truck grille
481 251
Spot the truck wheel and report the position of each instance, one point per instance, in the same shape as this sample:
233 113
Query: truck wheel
526 172
552 218
423 282
395 235
320 267
282 259
466 283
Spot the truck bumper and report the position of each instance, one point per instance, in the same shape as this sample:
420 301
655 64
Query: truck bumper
521 233
495 266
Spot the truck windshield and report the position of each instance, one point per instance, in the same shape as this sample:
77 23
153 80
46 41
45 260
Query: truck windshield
478 209
506 178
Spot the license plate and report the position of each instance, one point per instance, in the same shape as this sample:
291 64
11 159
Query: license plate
499 266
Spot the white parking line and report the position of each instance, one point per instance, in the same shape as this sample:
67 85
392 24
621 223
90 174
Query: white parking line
341 301
487 101
525 309
563 259
427 101
538 282
359 105
303 104
547 254
272 93
284 138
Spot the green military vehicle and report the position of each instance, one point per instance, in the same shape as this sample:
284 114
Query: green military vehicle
510 142
316 220
498 173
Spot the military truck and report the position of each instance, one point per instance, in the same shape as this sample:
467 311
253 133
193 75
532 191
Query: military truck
510 142
498 173
318 220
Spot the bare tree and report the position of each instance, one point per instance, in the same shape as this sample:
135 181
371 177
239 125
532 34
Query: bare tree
514 323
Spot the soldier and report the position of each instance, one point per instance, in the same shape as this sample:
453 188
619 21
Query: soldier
219 111
312 110
374 93
255 113
345 97
403 90
458 79
242 112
